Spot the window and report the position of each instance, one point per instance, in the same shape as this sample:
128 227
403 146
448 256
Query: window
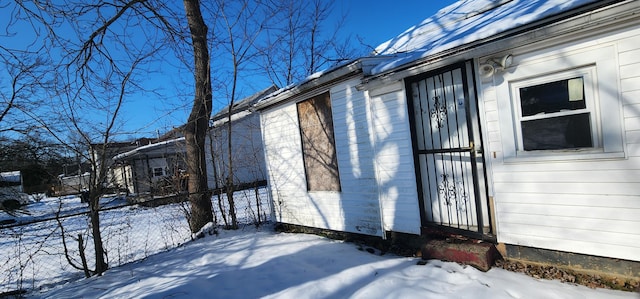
560 104
318 144
557 112
158 171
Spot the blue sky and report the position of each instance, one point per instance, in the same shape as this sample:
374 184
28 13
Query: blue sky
374 22
378 21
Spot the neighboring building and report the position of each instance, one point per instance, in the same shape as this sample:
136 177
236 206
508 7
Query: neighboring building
109 151
246 145
11 187
77 178
73 184
11 180
515 122
157 168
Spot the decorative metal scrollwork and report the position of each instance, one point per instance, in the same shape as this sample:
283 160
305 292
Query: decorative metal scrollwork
438 113
453 193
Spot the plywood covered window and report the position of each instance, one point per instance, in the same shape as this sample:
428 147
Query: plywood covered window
318 144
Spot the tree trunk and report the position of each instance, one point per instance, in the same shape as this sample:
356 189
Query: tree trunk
196 128
230 188
94 215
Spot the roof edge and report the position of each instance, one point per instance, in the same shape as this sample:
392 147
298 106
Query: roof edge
465 48
312 82
141 149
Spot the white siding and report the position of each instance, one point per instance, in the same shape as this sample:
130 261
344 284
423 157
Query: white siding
247 156
587 204
356 207
123 177
396 176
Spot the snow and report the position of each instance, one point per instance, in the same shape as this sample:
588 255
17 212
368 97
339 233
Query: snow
10 176
31 251
259 263
141 149
32 256
464 22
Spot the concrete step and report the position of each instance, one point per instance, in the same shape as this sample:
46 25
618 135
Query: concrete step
478 254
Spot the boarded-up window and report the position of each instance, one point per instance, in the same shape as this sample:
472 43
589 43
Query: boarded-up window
318 144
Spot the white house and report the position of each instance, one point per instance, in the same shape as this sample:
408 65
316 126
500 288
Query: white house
246 145
156 168
516 122
11 187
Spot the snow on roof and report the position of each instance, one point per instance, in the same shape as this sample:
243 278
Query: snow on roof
464 22
245 103
147 147
10 176
270 98
460 23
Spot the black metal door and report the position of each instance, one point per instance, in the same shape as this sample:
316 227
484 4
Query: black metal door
448 157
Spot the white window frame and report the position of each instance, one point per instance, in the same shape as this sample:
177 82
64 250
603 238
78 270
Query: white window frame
602 62
589 85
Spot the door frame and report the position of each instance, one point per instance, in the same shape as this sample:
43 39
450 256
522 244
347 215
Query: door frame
485 228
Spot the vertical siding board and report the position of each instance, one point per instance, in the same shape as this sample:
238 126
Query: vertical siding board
394 159
359 194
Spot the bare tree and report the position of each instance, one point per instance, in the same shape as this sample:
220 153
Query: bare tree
95 75
303 42
198 122
98 151
22 79
240 25
283 39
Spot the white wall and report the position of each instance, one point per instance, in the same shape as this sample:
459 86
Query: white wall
142 168
247 156
395 168
122 177
356 207
576 201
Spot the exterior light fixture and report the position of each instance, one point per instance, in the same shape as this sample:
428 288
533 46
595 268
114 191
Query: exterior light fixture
505 62
492 64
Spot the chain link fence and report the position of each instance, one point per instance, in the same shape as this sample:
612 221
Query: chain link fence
45 247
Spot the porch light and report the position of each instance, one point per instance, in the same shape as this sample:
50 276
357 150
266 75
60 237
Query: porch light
492 64
505 62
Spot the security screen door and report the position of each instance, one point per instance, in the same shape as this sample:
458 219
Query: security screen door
447 148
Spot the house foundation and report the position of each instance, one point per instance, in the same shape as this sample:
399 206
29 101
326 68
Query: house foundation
617 272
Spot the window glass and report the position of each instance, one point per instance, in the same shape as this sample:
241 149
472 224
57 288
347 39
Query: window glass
552 97
555 116
158 171
554 133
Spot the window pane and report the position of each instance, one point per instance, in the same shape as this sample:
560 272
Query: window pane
552 97
318 144
564 132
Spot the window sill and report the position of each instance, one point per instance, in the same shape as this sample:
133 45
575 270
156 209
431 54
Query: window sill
563 156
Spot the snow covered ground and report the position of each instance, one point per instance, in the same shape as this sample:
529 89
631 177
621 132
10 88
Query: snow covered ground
264 264
32 252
